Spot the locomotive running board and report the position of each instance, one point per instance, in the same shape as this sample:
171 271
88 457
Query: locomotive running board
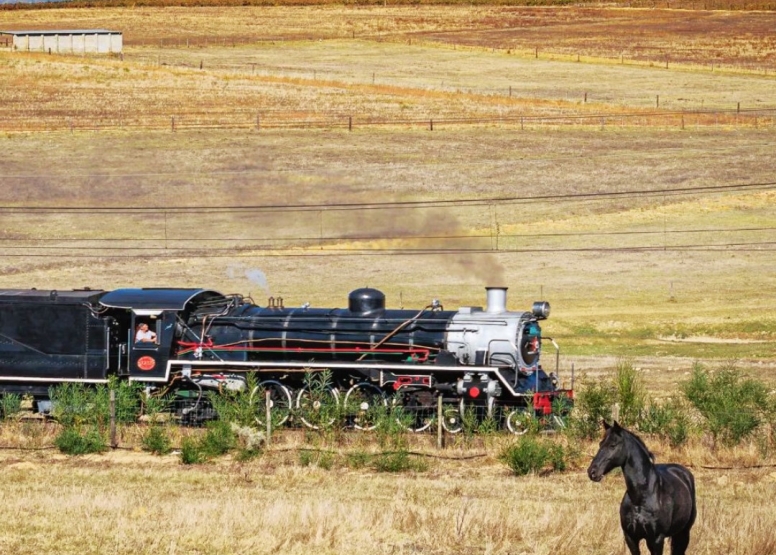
287 366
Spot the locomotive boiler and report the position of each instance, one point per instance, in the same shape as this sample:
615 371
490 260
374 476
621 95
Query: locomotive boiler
197 340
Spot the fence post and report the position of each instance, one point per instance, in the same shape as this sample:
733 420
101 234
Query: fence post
113 442
510 91
172 123
440 433
738 108
258 122
268 414
536 53
350 123
585 98
657 101
682 120
431 125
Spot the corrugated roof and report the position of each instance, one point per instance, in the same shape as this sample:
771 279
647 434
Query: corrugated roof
62 32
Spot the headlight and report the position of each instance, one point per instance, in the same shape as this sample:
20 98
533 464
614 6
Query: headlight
541 310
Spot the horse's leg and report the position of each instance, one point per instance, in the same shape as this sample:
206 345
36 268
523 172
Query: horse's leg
679 542
655 547
633 545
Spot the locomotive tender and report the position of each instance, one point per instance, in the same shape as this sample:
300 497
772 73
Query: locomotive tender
204 340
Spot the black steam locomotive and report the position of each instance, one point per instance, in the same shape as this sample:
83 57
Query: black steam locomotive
190 341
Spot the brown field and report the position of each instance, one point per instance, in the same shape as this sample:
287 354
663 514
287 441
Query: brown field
615 162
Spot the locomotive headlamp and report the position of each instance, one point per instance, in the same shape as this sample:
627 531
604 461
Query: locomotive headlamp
541 310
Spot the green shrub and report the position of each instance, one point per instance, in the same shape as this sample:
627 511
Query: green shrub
392 425
732 405
358 459
10 404
399 461
593 403
318 407
236 405
218 440
306 457
156 440
630 393
532 454
670 421
76 404
71 441
191 453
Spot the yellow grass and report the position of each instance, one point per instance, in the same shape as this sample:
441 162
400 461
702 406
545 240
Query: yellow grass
665 307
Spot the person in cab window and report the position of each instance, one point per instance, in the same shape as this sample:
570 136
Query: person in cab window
144 335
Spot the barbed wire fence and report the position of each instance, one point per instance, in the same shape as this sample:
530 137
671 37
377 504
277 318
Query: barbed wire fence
275 120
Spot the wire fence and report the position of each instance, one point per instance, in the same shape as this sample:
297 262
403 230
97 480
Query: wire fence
275 120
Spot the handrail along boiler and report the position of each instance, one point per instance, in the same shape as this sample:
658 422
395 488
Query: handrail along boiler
487 358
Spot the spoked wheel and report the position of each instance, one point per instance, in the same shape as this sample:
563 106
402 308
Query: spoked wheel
280 403
518 420
452 417
419 410
317 406
364 403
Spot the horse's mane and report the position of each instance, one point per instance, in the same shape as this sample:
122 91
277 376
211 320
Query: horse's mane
641 443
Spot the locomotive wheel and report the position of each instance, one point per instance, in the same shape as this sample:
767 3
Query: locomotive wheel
317 407
518 420
452 417
280 403
364 403
419 411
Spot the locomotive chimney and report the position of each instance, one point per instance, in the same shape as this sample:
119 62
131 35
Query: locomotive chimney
497 300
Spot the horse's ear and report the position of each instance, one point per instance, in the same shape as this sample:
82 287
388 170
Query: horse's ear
616 425
606 425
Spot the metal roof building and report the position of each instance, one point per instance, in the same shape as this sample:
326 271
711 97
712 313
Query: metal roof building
67 41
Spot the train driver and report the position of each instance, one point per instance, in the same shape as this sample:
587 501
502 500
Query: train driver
144 335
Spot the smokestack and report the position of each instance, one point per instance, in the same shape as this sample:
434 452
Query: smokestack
497 300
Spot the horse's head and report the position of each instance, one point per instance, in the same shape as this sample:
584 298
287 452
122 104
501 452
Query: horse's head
611 452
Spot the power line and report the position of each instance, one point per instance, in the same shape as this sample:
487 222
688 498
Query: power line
343 206
319 239
755 246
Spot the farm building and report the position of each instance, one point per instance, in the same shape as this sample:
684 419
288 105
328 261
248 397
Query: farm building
64 41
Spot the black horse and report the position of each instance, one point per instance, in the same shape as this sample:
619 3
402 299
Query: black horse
659 500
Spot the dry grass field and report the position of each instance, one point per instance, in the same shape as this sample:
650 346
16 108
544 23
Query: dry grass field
617 163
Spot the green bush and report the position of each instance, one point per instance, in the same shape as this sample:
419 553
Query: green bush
218 440
156 440
732 405
392 425
593 403
399 461
236 405
670 421
191 453
71 441
532 454
76 404
318 407
630 393
10 404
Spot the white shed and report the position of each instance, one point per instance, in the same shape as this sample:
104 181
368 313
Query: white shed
67 41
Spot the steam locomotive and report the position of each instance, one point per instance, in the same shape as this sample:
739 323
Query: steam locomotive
186 342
